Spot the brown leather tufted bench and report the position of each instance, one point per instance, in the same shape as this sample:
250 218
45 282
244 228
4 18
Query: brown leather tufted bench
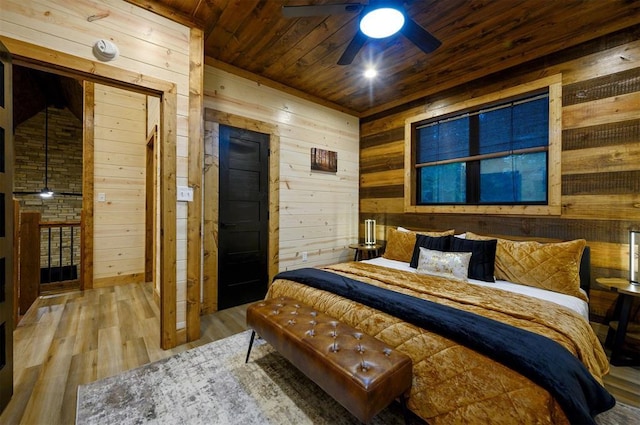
357 370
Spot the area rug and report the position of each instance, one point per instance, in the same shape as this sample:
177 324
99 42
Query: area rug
212 384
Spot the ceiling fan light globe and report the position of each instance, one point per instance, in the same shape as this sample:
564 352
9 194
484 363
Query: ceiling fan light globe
382 22
46 193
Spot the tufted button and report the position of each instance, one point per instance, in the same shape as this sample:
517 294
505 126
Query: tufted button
387 351
291 322
334 347
357 335
311 332
360 348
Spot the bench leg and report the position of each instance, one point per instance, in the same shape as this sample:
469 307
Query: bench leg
405 411
253 335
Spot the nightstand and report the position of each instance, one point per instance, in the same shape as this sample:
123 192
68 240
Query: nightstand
618 327
365 250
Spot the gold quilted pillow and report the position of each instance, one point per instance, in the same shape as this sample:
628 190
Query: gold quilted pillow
400 243
551 266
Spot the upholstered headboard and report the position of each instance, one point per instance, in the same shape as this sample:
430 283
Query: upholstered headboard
585 270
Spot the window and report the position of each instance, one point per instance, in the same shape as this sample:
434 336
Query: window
496 154
491 155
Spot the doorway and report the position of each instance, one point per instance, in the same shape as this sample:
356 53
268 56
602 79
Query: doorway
244 216
47 184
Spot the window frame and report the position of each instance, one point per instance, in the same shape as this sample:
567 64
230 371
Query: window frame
553 207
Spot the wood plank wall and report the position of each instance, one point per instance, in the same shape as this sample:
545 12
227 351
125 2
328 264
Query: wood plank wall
318 211
600 156
119 173
150 46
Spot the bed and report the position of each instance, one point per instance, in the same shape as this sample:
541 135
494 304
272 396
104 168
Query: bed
501 344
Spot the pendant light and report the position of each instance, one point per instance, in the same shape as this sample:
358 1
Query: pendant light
46 193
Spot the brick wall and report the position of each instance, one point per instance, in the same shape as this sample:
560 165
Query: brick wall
64 176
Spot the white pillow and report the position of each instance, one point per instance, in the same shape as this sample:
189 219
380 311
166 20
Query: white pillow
453 265
402 229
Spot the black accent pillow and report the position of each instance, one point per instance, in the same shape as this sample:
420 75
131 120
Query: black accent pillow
438 243
483 256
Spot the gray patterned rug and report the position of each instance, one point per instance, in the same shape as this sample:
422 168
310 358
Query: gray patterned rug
211 384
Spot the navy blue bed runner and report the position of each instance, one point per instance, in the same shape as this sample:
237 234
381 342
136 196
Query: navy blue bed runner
540 359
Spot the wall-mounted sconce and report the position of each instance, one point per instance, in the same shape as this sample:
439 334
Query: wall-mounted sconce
634 273
370 232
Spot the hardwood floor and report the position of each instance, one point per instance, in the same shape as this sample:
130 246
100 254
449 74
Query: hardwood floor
71 339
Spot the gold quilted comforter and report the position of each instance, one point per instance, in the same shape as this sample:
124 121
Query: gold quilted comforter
452 383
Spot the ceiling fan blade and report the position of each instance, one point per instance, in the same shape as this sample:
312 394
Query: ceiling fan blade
419 36
353 48
320 10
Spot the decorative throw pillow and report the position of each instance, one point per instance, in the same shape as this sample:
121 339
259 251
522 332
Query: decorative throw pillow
423 241
551 266
401 241
399 245
483 256
453 265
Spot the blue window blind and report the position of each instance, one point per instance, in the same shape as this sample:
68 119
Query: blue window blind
491 155
445 140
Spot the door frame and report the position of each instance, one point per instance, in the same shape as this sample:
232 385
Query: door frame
39 57
211 192
150 207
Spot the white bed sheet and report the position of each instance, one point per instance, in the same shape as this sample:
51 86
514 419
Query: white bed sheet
579 306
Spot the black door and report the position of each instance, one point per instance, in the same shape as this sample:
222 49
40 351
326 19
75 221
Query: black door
6 229
243 231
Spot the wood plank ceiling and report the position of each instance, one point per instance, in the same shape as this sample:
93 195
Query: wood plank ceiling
479 37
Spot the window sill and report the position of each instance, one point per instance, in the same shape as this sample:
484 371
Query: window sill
486 209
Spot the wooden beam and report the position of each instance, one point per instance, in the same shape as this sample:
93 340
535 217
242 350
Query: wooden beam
168 215
86 229
194 218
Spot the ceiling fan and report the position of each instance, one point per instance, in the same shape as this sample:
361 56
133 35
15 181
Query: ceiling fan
378 19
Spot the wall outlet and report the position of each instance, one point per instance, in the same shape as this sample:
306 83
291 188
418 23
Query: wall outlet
304 256
102 197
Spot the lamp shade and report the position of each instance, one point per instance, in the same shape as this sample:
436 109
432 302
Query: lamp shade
370 232
634 240
381 22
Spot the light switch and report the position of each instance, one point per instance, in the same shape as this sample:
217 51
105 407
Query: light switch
185 193
102 197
